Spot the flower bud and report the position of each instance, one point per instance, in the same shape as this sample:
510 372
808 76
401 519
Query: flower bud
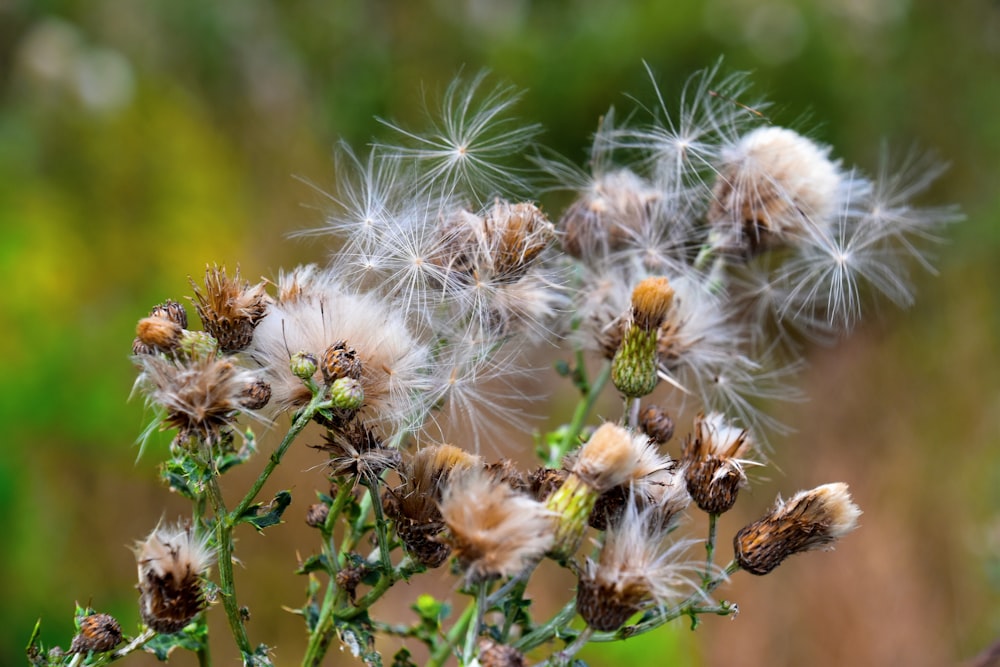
316 515
634 367
198 345
340 361
303 365
347 394
256 395
493 654
157 333
98 633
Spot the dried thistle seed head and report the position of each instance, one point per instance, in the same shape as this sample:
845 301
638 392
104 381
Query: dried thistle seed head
494 531
609 457
256 395
515 235
157 334
340 361
635 570
171 563
413 505
651 301
773 186
617 208
98 633
506 471
657 424
715 457
494 654
201 396
230 308
356 452
808 520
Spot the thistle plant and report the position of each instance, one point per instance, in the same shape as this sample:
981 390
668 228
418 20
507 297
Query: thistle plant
702 251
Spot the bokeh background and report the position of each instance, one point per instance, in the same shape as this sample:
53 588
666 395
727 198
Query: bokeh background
141 140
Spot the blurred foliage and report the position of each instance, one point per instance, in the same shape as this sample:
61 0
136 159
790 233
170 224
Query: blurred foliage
143 140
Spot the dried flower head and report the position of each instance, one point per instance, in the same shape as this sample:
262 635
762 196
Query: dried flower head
201 396
98 633
413 505
494 531
356 452
773 185
171 563
230 308
315 314
715 456
615 208
635 570
808 520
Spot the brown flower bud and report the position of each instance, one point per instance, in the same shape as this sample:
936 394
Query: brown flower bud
98 633
256 395
657 424
339 361
714 458
316 514
493 654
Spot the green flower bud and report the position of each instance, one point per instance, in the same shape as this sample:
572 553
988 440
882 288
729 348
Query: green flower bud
303 365
198 345
347 394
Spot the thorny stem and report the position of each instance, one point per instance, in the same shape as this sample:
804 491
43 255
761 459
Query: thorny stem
583 409
555 627
135 644
224 538
444 649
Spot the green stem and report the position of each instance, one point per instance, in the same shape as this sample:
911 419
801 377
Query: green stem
713 521
380 528
302 420
224 538
443 650
473 631
133 645
583 409
555 627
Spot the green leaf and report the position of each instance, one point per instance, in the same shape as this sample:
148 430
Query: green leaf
315 563
261 516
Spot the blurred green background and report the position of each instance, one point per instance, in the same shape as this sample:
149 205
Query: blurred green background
140 140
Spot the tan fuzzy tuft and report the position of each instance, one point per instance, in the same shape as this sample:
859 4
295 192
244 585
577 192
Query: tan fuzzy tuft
230 308
494 531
